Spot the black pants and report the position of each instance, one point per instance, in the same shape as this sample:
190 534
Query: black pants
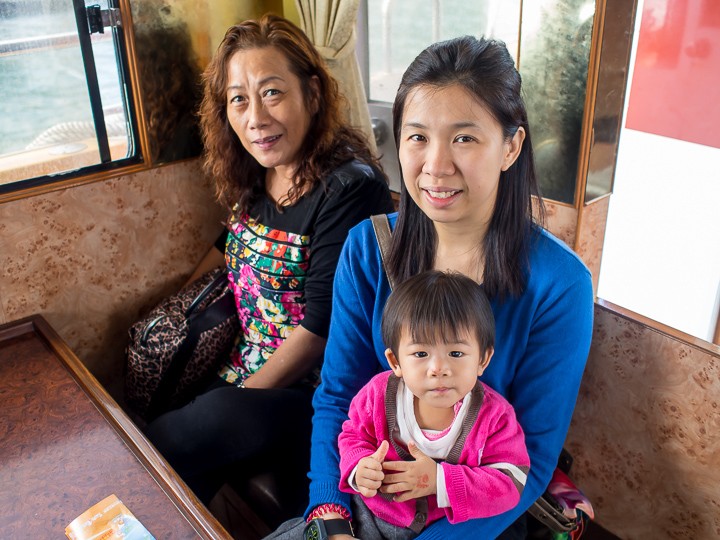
516 531
227 431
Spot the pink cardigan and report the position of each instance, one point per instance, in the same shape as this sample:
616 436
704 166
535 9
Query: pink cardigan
480 485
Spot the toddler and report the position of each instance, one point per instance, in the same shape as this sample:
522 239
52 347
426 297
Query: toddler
427 440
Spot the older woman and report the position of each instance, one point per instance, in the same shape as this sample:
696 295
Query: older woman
295 179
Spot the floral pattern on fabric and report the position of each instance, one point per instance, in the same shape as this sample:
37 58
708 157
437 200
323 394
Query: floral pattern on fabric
267 271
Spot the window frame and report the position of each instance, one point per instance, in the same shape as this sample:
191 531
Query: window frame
380 111
139 160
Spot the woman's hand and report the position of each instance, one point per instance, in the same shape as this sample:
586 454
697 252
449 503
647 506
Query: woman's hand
413 479
369 474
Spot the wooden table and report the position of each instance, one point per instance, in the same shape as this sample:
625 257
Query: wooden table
65 445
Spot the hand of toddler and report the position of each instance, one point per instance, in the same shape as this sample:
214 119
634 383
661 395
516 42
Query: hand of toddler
369 473
410 479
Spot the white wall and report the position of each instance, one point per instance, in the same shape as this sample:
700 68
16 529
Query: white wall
661 256
662 246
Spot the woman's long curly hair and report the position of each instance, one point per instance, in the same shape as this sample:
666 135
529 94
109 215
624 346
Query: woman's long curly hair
329 142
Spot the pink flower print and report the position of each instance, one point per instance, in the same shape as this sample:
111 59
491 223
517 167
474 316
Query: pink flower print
242 310
248 281
243 314
295 309
235 358
246 271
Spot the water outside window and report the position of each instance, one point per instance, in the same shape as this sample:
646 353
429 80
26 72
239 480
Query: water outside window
47 124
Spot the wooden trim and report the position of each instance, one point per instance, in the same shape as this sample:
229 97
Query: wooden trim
129 35
596 199
659 327
16 329
71 182
142 133
176 490
554 202
519 31
587 134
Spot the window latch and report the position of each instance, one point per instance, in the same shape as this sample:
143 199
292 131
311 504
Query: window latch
99 19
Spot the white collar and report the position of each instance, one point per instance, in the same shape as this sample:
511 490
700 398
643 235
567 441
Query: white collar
410 430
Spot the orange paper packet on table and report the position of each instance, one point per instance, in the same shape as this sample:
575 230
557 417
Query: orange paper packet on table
109 519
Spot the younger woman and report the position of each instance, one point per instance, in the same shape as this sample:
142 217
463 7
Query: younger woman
466 205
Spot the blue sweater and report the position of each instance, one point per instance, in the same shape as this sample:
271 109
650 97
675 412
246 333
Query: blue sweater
542 343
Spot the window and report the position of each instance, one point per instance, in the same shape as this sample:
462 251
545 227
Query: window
399 29
392 32
66 105
549 39
658 255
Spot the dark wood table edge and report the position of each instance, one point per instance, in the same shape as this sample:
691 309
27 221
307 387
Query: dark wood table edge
177 491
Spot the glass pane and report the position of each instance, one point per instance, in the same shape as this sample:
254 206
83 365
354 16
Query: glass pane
112 87
610 97
554 63
399 29
47 123
169 74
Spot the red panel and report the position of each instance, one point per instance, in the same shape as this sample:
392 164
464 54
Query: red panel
676 83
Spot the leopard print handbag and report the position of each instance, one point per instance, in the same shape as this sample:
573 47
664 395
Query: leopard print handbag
179 344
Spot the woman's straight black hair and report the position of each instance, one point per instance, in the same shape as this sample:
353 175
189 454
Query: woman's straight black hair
485 69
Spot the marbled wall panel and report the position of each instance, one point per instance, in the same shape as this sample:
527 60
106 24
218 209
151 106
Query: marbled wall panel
645 432
561 220
90 258
590 235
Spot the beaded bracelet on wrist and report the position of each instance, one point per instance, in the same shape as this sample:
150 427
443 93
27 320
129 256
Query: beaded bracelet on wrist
323 509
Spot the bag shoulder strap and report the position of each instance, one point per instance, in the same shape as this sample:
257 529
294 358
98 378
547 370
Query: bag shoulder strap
220 280
198 321
381 225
